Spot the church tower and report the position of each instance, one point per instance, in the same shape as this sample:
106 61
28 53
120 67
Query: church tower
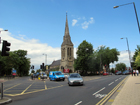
67 50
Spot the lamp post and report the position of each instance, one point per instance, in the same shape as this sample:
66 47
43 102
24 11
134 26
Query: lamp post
0 32
128 51
135 12
45 59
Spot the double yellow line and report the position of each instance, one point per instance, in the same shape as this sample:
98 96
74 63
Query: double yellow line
101 102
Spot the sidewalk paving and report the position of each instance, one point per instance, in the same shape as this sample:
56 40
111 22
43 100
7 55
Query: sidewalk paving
130 92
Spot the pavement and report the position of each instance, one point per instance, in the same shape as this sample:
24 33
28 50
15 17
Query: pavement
127 94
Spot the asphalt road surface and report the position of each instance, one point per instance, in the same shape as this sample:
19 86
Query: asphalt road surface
95 91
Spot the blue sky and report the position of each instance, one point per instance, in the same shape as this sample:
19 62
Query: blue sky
42 22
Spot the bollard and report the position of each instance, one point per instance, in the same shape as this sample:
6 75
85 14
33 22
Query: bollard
1 91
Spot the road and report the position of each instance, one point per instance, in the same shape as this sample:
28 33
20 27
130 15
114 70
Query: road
96 90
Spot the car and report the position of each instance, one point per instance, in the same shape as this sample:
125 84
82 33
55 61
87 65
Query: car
105 73
37 74
118 73
43 75
75 79
56 75
66 75
126 72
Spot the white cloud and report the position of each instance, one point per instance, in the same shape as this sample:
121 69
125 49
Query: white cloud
74 21
34 48
123 58
86 24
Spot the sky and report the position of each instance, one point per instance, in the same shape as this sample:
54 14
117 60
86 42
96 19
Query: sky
38 26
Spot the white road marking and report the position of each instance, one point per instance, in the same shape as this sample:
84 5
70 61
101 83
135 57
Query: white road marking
78 103
100 95
116 80
110 83
99 91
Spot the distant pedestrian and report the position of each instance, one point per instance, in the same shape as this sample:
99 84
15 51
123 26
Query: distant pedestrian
134 72
137 71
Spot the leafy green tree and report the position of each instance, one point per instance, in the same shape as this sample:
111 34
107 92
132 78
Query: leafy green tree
112 70
107 55
32 71
120 66
38 71
137 60
84 57
136 52
22 64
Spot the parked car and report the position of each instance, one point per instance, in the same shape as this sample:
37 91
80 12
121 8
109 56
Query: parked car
66 75
43 75
126 72
105 73
37 74
56 75
118 73
75 79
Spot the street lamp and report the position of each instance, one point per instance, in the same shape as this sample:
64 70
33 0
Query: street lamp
128 51
135 12
0 32
45 59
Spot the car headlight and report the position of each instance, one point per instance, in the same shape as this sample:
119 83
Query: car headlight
81 80
70 80
57 77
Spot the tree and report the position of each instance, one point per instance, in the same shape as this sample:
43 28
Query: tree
38 71
107 55
120 66
84 57
22 64
137 60
136 52
32 71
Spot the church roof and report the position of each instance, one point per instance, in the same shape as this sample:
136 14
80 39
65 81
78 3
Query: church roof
67 38
55 63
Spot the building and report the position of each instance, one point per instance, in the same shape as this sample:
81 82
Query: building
67 52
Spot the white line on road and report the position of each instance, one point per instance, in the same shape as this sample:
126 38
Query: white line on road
116 80
99 91
110 83
78 103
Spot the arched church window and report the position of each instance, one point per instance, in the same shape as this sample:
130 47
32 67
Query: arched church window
70 51
63 52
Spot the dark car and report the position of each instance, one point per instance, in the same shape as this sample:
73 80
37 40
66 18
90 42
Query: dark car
118 73
126 72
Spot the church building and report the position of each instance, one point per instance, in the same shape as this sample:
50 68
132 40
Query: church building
67 52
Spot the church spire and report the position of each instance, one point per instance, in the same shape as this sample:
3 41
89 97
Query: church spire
67 38
66 27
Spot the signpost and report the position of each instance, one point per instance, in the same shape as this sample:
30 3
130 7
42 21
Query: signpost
66 70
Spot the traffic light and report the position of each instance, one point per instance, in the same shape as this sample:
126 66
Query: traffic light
5 48
42 65
105 66
33 67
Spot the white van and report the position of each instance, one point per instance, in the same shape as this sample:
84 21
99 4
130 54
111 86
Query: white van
43 75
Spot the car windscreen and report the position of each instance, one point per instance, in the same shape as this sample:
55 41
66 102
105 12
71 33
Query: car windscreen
43 73
75 76
58 73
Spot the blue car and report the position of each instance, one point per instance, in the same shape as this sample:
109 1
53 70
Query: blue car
56 75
